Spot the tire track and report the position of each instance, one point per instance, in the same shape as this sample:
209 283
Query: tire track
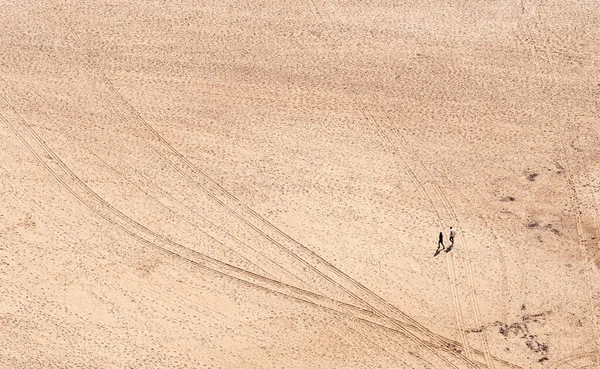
377 347
206 262
135 283
239 203
355 307
292 292
574 203
496 237
576 357
420 186
587 260
452 215
188 220
159 237
422 190
151 133
380 132
319 261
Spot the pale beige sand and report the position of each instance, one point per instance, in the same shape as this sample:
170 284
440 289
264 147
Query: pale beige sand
223 184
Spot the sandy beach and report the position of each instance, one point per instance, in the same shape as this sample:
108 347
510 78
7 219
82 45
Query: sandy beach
227 184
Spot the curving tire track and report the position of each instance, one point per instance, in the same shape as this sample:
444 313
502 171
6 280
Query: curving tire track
101 208
451 215
112 215
109 213
570 361
381 348
258 255
574 201
195 170
146 133
586 257
57 229
307 252
434 209
317 260
418 184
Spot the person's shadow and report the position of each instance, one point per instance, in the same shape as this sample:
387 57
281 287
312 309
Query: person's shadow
447 249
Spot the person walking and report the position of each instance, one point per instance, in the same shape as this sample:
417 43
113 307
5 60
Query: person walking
452 235
441 241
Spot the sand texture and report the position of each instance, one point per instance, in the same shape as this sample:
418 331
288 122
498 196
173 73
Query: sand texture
261 184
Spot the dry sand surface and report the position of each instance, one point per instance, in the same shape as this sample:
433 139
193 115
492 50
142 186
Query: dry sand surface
261 184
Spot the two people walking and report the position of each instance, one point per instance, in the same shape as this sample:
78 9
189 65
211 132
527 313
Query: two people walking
441 241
